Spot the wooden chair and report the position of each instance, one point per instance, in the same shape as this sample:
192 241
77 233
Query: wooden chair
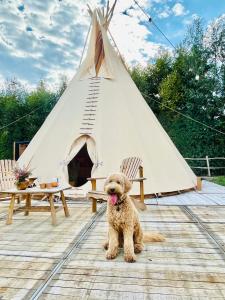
7 178
130 167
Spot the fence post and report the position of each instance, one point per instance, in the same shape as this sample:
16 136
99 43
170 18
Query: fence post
208 166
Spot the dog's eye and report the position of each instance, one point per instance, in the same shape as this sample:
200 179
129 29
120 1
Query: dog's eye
118 182
110 181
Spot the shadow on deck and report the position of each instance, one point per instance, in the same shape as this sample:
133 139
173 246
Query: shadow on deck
67 261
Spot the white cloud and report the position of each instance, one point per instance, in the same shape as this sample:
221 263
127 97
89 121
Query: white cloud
165 12
189 20
179 10
131 39
132 36
44 39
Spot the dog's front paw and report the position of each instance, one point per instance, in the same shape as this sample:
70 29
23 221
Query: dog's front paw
138 248
110 255
130 258
106 245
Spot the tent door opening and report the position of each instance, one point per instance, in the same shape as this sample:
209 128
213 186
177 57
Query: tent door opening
79 168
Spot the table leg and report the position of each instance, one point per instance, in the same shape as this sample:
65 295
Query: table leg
28 204
65 207
18 200
53 213
11 208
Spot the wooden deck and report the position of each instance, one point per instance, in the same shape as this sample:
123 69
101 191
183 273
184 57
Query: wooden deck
41 261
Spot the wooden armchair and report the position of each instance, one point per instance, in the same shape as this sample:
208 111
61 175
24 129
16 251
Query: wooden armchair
7 178
130 167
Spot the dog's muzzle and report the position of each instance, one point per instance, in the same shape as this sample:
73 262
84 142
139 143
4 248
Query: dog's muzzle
111 191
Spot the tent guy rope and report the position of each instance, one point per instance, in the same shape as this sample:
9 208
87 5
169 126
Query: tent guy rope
184 115
150 20
17 120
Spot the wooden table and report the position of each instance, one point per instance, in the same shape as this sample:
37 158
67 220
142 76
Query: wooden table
28 197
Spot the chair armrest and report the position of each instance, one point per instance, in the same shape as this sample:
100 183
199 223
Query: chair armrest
138 179
93 181
96 178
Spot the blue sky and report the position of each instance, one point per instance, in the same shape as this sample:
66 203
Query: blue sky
44 39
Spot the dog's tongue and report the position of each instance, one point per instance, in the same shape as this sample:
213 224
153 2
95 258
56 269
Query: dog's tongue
113 199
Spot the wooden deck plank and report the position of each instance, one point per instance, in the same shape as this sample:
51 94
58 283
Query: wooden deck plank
206 214
58 297
68 279
13 293
148 286
121 291
112 295
169 275
211 194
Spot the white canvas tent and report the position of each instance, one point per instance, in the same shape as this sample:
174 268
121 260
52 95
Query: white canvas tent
103 109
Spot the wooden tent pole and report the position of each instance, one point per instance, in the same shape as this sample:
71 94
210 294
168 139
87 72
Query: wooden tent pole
85 44
118 51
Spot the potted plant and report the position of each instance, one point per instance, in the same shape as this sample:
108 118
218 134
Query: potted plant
21 176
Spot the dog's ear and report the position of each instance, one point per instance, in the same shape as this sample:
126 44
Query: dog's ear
127 184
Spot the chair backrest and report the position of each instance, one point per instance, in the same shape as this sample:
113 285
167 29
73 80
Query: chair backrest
7 178
130 166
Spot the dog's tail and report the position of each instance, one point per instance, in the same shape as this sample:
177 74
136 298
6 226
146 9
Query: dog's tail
153 237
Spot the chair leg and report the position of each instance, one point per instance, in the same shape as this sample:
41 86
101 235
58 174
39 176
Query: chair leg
141 174
142 195
94 205
94 201
199 184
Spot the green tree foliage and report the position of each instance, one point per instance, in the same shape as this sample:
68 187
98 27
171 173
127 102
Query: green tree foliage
149 79
15 103
191 82
171 90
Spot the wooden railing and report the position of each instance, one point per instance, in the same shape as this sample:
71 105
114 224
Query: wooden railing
207 160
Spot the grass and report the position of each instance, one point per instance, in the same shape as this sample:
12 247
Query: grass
219 180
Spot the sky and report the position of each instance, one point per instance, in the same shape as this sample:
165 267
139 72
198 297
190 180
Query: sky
44 39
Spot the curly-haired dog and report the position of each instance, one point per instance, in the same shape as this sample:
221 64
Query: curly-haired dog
124 225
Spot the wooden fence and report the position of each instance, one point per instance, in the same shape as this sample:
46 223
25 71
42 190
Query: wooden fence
207 160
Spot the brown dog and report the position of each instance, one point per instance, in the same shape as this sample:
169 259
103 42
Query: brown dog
124 225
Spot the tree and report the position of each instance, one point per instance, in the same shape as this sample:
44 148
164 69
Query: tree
148 80
15 103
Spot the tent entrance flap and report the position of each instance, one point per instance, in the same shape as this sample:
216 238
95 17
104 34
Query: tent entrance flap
79 168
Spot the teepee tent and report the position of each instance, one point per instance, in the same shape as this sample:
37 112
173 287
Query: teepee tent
101 119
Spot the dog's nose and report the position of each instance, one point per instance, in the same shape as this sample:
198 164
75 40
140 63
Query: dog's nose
112 190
